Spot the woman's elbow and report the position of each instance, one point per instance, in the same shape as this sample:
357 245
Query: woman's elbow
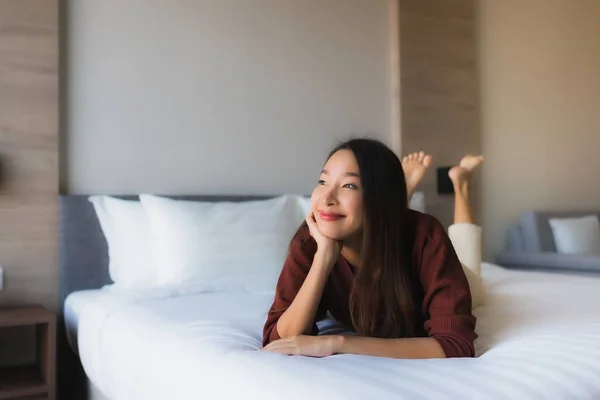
455 347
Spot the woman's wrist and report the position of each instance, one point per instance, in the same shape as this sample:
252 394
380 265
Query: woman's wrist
337 344
325 258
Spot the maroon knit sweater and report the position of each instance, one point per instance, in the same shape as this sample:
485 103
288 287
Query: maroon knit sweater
441 287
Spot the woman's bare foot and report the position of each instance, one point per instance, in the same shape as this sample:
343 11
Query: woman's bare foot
460 174
415 165
470 162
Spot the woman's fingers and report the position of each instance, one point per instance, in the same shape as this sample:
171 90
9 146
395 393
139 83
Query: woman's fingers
273 344
310 219
282 350
312 224
285 346
280 341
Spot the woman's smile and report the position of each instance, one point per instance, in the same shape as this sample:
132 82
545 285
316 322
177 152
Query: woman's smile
329 216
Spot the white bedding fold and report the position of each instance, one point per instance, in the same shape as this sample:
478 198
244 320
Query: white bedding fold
539 336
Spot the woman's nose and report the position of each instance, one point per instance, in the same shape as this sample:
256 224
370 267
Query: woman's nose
331 197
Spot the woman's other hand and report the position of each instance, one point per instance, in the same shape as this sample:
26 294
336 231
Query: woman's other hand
303 345
328 249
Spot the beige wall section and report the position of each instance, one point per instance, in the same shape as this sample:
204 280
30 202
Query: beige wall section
227 96
540 85
29 151
439 92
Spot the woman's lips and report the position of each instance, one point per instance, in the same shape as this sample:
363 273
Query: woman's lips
329 216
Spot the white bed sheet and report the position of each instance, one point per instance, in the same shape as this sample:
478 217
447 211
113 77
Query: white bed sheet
539 339
76 305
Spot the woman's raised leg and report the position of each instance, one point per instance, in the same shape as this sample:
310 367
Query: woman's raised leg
464 233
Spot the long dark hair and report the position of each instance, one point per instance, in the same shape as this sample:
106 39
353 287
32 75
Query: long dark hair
383 285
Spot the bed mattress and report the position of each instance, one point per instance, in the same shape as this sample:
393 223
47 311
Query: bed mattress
539 339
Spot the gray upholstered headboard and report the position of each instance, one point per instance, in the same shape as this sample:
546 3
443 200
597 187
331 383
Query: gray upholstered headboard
83 248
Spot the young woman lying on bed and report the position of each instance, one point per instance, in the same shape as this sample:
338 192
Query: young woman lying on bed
390 273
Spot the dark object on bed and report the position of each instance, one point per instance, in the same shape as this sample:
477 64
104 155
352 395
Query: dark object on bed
84 265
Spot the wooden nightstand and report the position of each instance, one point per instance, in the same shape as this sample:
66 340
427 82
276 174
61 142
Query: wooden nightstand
36 380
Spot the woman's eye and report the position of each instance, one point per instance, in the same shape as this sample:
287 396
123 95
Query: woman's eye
350 186
321 182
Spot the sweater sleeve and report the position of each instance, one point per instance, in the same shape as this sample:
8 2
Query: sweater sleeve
447 298
294 272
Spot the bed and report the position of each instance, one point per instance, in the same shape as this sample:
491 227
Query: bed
539 338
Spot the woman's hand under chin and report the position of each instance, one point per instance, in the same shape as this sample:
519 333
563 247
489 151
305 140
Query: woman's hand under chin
327 247
303 345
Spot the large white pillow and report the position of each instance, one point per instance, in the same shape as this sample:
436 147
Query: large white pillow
305 204
127 232
576 235
203 240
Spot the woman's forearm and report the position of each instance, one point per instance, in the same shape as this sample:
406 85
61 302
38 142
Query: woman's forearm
300 315
393 348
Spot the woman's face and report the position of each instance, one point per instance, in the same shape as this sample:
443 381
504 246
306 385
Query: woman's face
337 199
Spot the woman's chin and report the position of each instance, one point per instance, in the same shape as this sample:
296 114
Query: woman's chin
335 234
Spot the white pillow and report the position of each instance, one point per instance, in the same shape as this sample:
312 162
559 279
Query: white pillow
127 232
417 202
204 240
576 235
305 206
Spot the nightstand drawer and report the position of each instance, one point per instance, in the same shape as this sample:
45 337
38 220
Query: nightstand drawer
35 381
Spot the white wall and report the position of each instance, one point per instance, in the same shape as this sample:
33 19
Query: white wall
540 95
219 96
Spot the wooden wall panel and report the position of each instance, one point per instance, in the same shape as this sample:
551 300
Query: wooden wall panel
29 151
439 88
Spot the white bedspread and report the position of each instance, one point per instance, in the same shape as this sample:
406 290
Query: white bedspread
539 339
